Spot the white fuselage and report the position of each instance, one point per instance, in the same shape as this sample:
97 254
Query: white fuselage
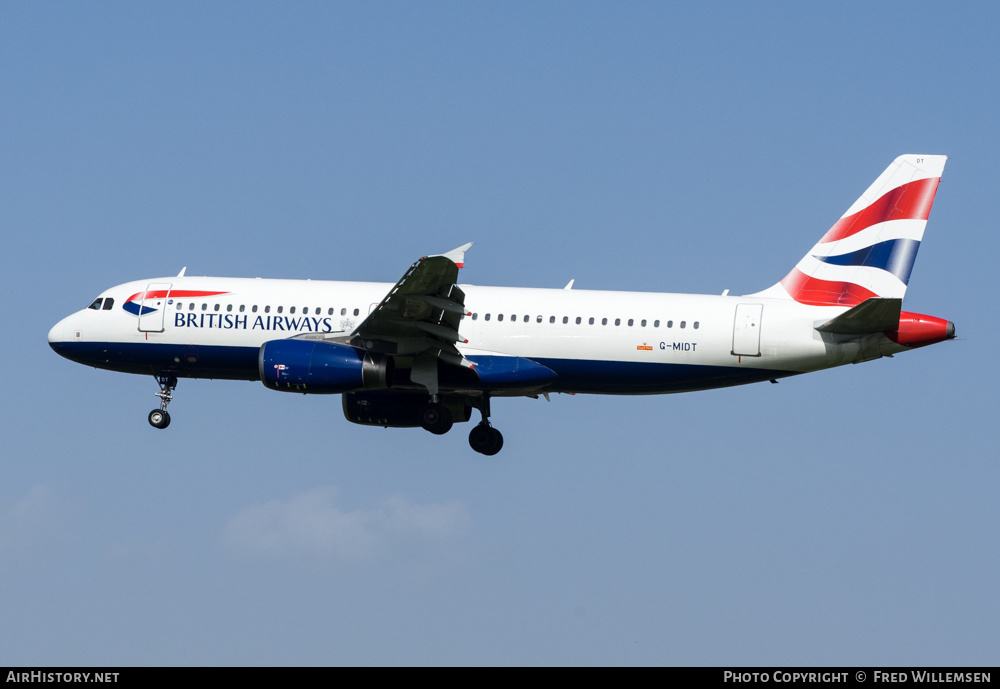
597 341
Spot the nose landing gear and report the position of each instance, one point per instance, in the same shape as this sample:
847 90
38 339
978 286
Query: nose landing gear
159 418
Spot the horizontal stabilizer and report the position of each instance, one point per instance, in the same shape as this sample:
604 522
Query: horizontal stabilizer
873 315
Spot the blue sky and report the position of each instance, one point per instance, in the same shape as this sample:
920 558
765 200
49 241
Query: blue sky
847 517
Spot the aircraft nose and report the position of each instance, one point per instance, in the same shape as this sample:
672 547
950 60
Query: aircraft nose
57 335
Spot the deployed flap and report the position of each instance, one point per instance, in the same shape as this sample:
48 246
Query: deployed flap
870 316
421 314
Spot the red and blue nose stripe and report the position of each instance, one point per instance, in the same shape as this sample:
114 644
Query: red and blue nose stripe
136 305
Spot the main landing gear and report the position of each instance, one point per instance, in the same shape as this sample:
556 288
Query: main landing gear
483 438
436 417
159 418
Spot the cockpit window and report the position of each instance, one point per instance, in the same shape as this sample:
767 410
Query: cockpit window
96 306
108 303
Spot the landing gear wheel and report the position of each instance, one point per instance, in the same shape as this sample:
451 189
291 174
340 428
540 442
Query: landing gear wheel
480 437
485 440
437 419
159 418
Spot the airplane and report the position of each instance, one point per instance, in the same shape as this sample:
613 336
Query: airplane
426 351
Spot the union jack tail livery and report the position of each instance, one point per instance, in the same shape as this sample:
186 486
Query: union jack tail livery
870 251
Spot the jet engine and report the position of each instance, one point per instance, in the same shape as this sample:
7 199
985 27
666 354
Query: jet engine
323 368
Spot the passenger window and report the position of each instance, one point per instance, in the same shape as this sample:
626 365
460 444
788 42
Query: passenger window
180 306
683 324
630 321
475 316
565 320
356 312
643 324
604 321
591 321
486 317
267 309
618 321
318 310
108 303
218 306
229 307
281 309
243 308
538 319
525 318
696 325
670 324
656 324
343 312
96 305
191 306
291 310
253 309
499 316
204 306
552 319
330 311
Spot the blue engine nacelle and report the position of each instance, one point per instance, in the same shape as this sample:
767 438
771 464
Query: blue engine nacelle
323 368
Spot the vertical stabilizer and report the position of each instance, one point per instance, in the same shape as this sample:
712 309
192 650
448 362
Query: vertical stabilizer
870 251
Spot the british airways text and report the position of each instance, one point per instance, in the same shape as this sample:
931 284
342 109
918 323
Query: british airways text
229 321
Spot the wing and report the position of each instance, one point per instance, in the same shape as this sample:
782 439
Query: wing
419 320
421 314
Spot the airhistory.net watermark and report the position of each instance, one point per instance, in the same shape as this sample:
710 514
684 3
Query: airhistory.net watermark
31 676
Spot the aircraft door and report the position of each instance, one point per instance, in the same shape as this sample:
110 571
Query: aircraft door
153 307
746 330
